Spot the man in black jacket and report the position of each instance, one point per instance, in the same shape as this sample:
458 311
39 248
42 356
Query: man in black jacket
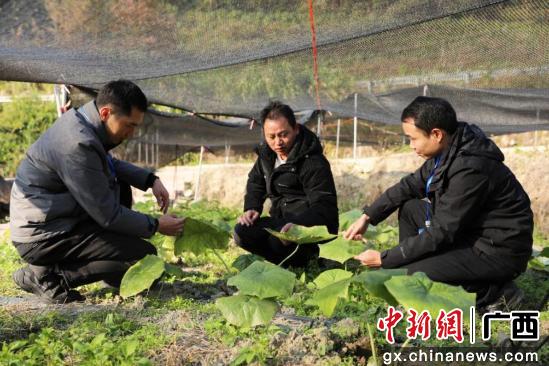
464 219
294 174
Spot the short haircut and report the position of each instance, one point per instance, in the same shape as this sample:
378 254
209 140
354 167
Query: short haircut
122 95
429 113
277 109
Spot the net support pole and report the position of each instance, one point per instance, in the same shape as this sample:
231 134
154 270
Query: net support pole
227 152
337 137
318 125
146 154
355 127
197 188
157 139
139 150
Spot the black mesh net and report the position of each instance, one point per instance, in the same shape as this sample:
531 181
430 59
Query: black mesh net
490 59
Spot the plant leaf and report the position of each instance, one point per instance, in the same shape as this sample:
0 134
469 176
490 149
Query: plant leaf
331 276
173 270
346 219
544 252
327 298
141 275
166 249
243 261
246 311
264 280
304 235
341 250
198 236
420 293
374 282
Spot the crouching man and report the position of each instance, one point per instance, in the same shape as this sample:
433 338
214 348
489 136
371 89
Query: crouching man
293 173
70 208
464 219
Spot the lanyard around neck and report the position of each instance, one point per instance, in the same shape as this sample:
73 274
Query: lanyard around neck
427 186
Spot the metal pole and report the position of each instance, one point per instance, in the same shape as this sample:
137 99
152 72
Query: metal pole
355 127
139 150
337 137
227 152
197 188
318 124
157 149
146 154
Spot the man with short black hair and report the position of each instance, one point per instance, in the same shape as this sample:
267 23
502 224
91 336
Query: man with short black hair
70 207
293 173
464 219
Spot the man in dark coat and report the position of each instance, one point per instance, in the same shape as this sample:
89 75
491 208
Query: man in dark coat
464 219
70 209
294 174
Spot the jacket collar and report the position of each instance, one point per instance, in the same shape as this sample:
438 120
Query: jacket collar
90 114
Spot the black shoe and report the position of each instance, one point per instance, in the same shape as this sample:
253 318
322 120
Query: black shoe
509 300
51 289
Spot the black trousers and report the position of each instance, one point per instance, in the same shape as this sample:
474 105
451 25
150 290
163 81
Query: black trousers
88 253
255 239
463 264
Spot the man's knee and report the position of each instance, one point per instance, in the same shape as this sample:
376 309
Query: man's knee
239 233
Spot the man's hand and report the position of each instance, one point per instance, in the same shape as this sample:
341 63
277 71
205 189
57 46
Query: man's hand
161 194
370 258
248 218
355 231
284 229
170 225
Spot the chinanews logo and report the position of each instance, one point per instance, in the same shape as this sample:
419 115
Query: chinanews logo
524 324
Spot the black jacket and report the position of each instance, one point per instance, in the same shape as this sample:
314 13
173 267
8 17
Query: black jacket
475 198
302 191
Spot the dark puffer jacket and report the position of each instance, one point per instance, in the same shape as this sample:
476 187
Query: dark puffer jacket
476 200
302 191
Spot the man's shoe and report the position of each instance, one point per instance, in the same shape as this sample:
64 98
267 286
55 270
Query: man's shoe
51 289
509 300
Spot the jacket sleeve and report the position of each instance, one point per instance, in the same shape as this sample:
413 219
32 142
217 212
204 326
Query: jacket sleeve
256 189
464 197
409 187
319 187
131 174
83 171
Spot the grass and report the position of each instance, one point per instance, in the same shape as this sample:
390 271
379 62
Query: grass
178 322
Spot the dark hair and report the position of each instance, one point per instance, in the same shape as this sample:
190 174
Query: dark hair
122 95
429 113
277 109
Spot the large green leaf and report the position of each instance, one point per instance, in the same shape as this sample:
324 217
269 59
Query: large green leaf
327 298
326 278
264 280
374 282
243 261
173 270
346 219
246 311
303 234
341 250
544 252
141 275
166 249
198 236
420 293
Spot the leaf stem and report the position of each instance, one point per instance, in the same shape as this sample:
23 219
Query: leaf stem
222 261
291 255
372 341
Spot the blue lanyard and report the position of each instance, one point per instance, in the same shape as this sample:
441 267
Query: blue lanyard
110 161
427 185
